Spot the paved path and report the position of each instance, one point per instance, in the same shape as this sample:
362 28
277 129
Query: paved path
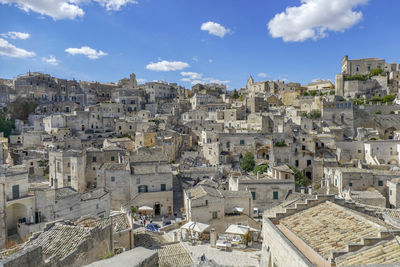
223 258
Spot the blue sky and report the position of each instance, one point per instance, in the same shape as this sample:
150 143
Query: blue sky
189 41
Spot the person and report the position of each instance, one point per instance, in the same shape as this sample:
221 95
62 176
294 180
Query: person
163 220
203 258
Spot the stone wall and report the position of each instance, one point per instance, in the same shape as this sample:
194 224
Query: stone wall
277 250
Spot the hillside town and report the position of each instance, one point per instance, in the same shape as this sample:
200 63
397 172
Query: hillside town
276 173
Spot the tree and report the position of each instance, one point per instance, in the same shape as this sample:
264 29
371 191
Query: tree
21 108
378 112
388 98
315 114
299 178
235 94
6 126
376 72
248 162
260 169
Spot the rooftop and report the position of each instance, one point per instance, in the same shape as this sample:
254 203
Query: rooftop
328 227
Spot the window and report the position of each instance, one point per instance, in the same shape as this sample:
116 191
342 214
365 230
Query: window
253 195
112 158
286 176
163 187
15 191
275 195
206 202
350 184
242 142
69 178
94 159
380 183
215 215
390 191
309 162
228 144
112 179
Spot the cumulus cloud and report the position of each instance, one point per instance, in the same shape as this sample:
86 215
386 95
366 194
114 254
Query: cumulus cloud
192 75
64 9
141 80
115 5
195 78
262 75
314 18
10 50
16 35
87 51
215 29
51 60
165 65
57 9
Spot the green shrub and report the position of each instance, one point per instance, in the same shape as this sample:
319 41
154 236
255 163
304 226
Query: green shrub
6 126
332 92
260 169
378 112
391 112
248 162
299 178
235 94
281 143
388 98
376 72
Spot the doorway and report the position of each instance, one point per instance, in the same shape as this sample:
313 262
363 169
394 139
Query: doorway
157 209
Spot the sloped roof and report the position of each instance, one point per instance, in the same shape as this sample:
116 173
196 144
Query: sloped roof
61 239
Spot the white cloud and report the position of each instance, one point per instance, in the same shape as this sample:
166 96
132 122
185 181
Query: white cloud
10 50
195 59
57 9
313 18
215 29
165 65
192 75
141 80
115 5
51 60
195 78
16 35
87 51
64 9
262 75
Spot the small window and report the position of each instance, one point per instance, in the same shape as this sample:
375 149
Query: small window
112 179
390 191
112 158
350 184
228 144
94 159
253 195
163 187
309 162
242 142
215 215
380 183
275 195
69 178
206 202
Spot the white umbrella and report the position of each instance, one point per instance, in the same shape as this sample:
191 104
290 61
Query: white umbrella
237 229
145 208
195 226
238 209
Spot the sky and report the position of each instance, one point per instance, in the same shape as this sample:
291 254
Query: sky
189 42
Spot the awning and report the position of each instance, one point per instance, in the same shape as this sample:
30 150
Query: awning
238 229
145 208
195 226
238 209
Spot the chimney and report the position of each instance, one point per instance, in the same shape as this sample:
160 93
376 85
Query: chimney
302 190
310 190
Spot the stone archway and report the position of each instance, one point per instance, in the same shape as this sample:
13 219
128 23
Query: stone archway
15 212
389 133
